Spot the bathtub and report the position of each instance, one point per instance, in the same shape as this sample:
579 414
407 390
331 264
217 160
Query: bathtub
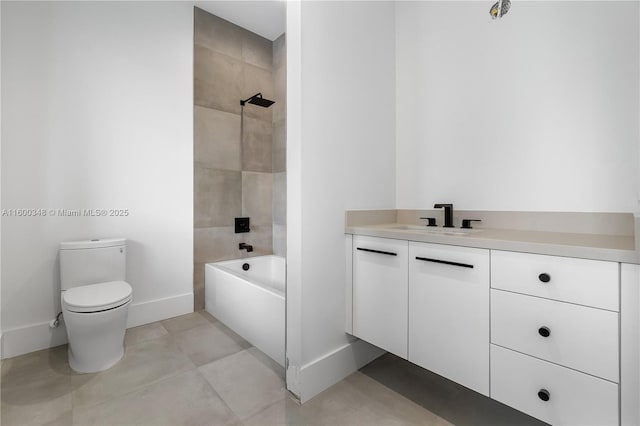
251 302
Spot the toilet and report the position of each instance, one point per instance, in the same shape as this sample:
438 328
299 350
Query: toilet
95 301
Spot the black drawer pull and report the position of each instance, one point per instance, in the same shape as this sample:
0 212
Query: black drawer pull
545 278
388 253
445 262
544 331
544 394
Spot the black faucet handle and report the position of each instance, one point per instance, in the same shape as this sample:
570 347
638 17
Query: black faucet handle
431 221
466 223
440 205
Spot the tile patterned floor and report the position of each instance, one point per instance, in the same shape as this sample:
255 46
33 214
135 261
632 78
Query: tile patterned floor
192 370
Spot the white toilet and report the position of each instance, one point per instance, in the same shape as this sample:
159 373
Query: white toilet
95 301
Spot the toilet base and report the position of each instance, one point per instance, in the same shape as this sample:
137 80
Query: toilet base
96 339
80 366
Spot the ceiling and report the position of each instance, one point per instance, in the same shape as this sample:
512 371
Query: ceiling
266 18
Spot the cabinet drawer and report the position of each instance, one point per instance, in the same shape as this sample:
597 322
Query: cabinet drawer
574 398
581 338
380 286
585 282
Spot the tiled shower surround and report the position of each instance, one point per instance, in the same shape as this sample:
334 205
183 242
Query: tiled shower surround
234 178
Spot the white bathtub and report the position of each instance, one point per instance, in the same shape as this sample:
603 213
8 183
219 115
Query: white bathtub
251 302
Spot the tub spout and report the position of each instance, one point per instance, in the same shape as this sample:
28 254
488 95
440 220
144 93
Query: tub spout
247 247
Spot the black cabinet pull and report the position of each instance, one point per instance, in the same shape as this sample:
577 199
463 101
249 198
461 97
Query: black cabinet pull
544 394
445 262
544 331
388 253
545 278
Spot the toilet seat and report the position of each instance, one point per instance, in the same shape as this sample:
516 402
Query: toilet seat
96 297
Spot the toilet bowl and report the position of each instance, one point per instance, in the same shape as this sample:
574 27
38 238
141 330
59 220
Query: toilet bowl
95 302
96 320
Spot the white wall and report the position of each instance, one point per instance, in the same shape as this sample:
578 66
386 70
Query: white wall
1 339
537 111
97 107
340 156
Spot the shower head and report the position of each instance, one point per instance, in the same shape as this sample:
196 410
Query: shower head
257 99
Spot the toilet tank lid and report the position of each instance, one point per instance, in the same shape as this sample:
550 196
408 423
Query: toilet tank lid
90 244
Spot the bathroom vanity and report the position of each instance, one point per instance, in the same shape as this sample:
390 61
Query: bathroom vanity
536 331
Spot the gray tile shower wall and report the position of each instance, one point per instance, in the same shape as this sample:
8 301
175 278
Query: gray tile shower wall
234 170
216 139
279 148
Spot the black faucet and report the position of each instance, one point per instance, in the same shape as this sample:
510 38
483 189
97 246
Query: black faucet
247 247
448 214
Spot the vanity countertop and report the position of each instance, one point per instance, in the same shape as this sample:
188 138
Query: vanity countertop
614 248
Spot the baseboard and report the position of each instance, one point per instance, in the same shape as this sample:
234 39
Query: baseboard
159 309
22 340
31 338
329 369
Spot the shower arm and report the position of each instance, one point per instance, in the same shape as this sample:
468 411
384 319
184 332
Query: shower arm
257 95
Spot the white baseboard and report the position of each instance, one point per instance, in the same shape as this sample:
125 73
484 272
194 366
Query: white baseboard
31 338
159 309
329 369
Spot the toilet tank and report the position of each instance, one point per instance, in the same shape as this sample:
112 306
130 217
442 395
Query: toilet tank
92 262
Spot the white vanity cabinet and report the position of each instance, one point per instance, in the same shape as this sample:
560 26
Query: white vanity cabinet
449 312
539 333
555 337
380 288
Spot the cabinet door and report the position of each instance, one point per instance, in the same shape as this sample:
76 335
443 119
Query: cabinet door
380 292
449 312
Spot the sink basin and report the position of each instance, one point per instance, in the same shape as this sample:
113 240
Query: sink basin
434 230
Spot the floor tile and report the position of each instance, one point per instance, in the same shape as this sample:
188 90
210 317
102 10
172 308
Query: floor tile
206 315
415 383
350 402
244 383
209 342
183 399
392 404
268 362
36 388
142 365
451 401
283 412
39 401
157 383
183 322
64 420
32 363
143 333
